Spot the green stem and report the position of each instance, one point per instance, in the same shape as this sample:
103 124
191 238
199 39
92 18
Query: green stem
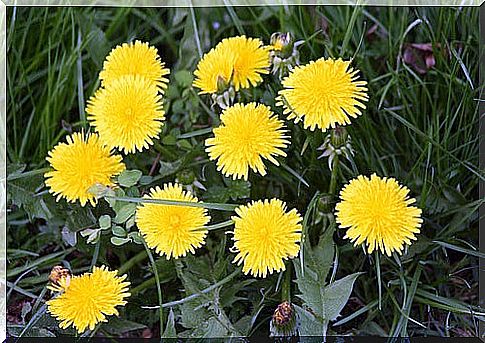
286 287
218 225
131 262
379 284
196 295
333 180
212 206
157 280
28 174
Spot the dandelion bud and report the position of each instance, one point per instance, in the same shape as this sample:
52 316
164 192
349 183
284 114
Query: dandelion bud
281 41
283 322
325 203
284 54
337 142
222 84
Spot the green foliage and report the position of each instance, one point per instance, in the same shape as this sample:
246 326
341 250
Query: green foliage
418 128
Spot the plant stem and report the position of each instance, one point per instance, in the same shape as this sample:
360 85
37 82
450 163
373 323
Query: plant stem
157 281
333 180
286 287
213 206
379 285
131 262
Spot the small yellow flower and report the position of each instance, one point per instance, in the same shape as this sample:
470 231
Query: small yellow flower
213 70
171 229
239 60
265 235
134 59
376 210
323 93
252 60
128 113
78 165
247 135
89 298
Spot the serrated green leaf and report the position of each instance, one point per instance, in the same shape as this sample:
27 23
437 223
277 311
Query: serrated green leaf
129 178
337 294
169 168
105 221
169 140
184 78
130 223
170 327
124 213
146 180
119 241
118 326
308 324
118 231
135 237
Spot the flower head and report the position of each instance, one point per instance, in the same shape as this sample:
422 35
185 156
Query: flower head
214 71
251 60
127 113
323 93
237 60
89 298
376 210
134 59
247 135
171 229
78 165
265 235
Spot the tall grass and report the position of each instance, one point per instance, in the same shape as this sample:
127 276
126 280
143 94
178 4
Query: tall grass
419 128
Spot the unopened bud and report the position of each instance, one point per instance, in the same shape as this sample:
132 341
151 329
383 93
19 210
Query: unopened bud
283 322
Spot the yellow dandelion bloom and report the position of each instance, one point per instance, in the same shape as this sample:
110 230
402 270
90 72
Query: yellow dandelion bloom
89 298
134 59
247 135
376 210
323 93
239 60
265 235
78 165
128 113
171 229
251 60
214 69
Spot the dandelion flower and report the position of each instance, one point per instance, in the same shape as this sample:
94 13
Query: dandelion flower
265 235
251 60
171 229
239 60
127 114
78 165
134 59
324 93
376 210
247 135
214 71
89 298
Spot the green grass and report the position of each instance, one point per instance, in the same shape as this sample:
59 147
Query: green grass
419 128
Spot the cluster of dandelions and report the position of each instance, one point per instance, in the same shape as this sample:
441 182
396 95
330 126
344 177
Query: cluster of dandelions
126 115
